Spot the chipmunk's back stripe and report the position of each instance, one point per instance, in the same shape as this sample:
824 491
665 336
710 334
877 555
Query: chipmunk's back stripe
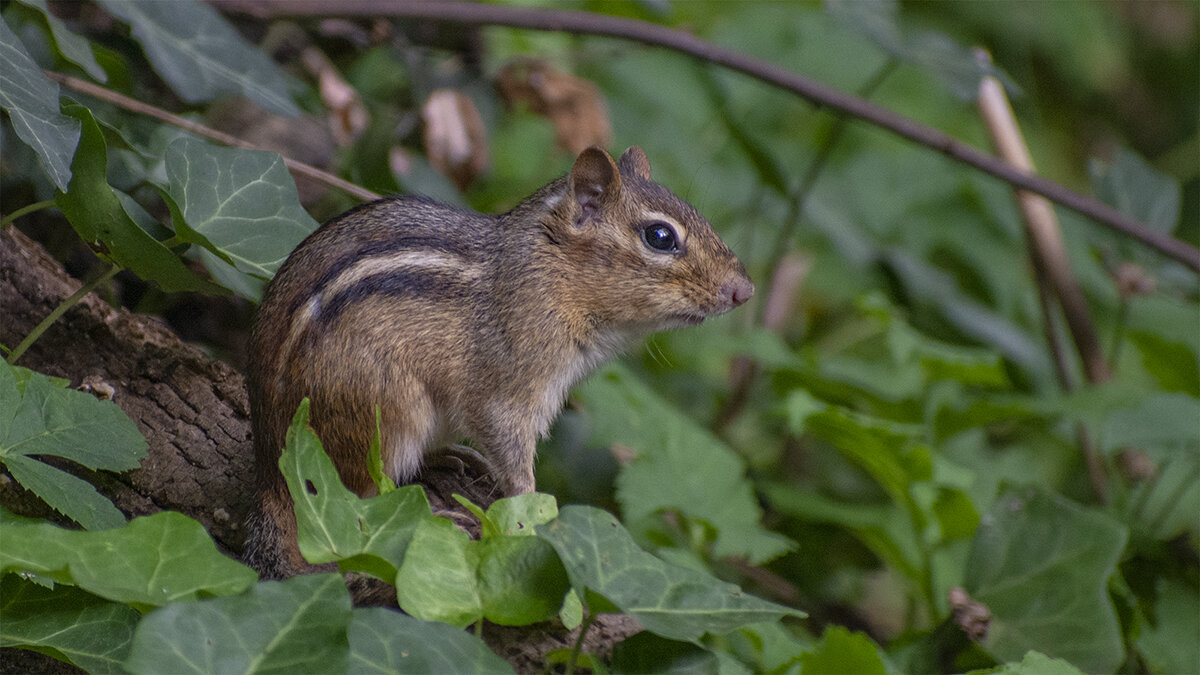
429 246
438 286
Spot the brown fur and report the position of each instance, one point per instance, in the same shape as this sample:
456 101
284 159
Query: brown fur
465 326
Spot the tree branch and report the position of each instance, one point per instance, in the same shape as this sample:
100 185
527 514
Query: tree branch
813 91
136 106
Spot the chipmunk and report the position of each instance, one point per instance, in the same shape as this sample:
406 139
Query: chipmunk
460 325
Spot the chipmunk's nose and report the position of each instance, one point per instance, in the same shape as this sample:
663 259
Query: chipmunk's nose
736 291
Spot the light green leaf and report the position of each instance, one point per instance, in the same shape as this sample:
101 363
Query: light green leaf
38 417
239 204
1041 564
1033 663
31 100
200 55
74 48
369 535
384 641
293 626
521 580
66 623
678 466
674 602
437 581
517 516
840 652
151 561
96 213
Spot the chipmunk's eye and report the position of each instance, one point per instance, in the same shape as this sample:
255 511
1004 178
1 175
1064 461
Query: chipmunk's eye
660 237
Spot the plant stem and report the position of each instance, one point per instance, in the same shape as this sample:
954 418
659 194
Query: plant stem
578 647
24 211
59 311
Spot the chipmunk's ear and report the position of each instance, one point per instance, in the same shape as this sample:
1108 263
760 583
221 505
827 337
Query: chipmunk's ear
595 181
633 161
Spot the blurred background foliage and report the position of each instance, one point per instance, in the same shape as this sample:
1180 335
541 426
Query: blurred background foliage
893 429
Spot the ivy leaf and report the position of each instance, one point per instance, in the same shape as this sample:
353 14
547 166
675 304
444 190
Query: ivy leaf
368 535
436 581
678 466
66 623
200 55
1033 663
675 602
96 213
1129 184
298 625
74 48
151 561
841 651
384 641
31 100
1041 564
38 417
239 204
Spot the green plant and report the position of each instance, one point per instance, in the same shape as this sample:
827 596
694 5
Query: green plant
898 432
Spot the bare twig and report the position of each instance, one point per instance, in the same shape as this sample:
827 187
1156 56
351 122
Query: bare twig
136 106
811 90
1051 267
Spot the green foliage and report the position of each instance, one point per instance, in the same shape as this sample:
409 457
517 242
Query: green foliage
31 100
1042 564
678 465
150 562
867 466
674 602
39 416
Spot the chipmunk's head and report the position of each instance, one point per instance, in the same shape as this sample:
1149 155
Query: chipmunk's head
650 260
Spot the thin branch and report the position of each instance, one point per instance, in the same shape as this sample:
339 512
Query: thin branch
815 92
136 106
1052 270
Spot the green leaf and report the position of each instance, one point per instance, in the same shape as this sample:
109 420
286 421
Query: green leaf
517 516
1168 642
96 213
437 581
678 466
1033 663
1172 364
385 641
74 48
882 528
200 55
521 580
1130 185
66 623
292 626
38 417
151 561
70 495
368 535
239 204
31 100
1041 564
674 602
841 651
1167 420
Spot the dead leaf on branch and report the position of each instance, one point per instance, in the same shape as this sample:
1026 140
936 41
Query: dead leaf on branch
572 104
455 138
